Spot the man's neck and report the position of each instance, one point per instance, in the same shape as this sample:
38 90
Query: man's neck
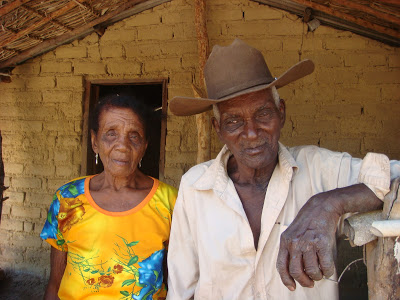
243 175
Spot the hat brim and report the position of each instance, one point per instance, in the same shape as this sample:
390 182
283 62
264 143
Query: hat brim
187 106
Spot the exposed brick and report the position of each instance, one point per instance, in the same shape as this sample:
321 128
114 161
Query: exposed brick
162 64
14 197
183 77
40 170
124 67
173 142
364 60
70 171
24 126
9 254
155 33
111 51
39 198
57 96
89 68
119 36
58 126
54 184
139 49
262 13
11 224
68 142
351 43
394 61
143 19
179 16
308 44
177 48
28 227
217 15
27 182
39 83
12 168
390 92
378 77
94 52
27 68
56 67
23 239
71 52
25 212
328 60
16 83
6 209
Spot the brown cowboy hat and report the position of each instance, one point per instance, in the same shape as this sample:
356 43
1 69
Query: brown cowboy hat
235 70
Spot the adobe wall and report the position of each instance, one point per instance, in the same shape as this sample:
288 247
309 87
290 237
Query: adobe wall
350 103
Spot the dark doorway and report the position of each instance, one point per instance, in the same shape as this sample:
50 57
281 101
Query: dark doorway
154 96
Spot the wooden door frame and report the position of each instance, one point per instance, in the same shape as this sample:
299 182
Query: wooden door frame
89 99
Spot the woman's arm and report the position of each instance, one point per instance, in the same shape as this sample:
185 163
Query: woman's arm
58 262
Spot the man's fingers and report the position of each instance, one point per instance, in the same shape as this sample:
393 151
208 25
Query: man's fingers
282 265
296 270
311 265
326 261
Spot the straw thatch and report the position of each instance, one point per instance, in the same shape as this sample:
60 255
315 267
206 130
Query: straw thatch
32 27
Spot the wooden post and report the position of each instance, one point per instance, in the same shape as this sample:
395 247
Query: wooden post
383 255
203 121
2 175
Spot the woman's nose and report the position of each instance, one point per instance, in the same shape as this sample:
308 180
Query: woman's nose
123 142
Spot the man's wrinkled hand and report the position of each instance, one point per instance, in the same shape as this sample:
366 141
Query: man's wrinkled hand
306 251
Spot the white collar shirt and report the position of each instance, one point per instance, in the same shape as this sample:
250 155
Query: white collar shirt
211 250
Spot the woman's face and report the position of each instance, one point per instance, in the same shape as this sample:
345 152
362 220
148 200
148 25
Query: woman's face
120 141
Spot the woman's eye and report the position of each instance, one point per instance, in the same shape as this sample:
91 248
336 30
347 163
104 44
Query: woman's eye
111 133
134 136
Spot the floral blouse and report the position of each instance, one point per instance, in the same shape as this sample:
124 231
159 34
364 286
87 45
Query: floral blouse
111 255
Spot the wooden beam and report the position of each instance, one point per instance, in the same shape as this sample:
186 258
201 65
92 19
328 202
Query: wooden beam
11 6
358 21
368 10
333 21
396 2
43 21
71 36
203 120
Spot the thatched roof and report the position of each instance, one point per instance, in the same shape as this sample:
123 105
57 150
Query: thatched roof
32 27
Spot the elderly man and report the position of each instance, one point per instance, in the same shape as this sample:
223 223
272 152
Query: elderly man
231 211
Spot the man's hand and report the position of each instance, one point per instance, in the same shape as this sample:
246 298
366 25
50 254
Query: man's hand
307 246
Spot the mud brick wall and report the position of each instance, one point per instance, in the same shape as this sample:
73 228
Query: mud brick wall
350 103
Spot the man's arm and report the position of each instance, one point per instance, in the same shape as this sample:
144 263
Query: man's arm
183 263
58 262
306 247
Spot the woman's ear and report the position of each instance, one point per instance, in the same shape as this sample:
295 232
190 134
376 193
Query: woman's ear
93 139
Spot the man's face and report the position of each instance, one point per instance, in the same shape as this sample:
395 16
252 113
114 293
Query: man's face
250 126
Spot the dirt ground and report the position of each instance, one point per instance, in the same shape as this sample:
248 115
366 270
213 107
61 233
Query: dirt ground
21 286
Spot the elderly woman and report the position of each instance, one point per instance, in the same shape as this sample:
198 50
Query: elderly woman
108 231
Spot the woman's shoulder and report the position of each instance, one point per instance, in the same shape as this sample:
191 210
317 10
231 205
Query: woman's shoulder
165 187
72 188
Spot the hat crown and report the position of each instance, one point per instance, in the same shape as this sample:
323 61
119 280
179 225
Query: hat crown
234 68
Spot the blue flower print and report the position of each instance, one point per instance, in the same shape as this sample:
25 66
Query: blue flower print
51 226
150 275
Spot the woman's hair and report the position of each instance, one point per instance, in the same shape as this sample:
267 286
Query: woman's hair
131 101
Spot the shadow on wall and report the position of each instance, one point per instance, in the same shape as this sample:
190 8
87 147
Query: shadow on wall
21 286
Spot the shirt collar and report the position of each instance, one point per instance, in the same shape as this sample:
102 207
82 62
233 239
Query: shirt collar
216 176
